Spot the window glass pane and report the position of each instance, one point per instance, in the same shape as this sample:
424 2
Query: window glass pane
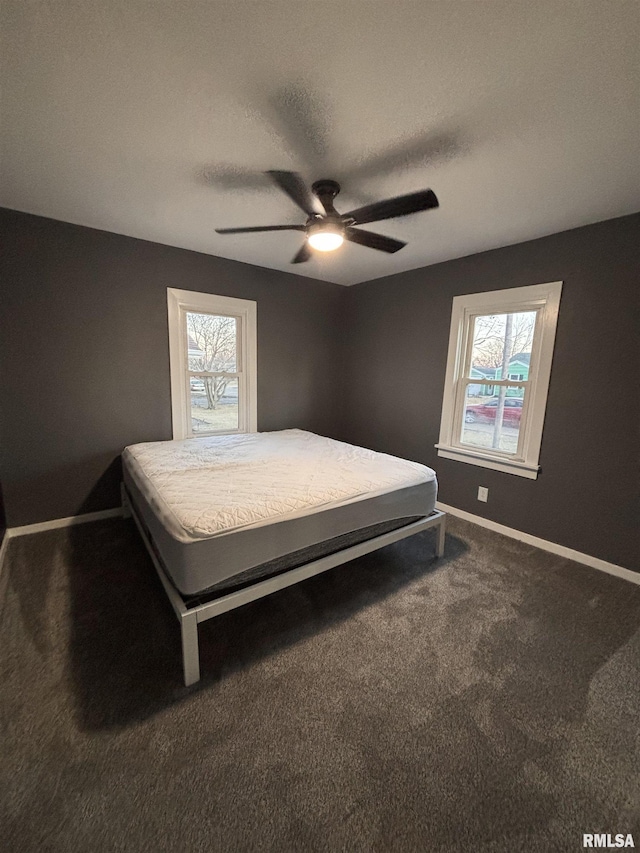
501 348
214 404
482 424
213 342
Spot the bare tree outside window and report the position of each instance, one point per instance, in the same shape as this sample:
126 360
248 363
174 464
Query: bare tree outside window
497 338
507 352
489 339
212 350
216 340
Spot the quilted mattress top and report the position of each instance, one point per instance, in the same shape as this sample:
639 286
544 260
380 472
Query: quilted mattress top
204 487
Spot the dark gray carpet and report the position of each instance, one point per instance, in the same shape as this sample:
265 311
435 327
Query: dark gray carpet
485 702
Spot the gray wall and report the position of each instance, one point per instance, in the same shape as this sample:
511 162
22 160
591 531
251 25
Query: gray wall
85 365
586 496
85 369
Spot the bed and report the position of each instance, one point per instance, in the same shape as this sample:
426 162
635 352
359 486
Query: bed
229 519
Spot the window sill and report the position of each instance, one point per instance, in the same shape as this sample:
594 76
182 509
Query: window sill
471 457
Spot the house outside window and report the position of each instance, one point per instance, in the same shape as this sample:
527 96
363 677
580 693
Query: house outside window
498 370
212 349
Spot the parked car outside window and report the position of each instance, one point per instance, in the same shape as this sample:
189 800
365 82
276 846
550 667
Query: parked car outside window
486 412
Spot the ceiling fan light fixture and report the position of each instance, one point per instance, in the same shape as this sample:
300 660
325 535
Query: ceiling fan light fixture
325 238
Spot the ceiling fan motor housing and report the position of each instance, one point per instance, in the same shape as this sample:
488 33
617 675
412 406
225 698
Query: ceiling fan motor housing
326 187
326 191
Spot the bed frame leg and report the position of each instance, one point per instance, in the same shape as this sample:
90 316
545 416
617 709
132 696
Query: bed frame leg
190 653
442 529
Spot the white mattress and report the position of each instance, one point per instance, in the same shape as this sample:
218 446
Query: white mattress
206 487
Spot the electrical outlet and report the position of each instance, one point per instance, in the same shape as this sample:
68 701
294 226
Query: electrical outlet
483 494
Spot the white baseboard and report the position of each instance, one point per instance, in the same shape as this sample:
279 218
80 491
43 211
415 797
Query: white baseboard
3 549
544 544
40 526
70 521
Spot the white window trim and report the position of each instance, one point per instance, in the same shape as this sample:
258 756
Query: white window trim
178 303
545 298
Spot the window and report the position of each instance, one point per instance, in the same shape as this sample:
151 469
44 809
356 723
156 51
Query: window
212 351
499 425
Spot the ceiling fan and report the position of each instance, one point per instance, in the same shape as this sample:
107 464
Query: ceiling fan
326 229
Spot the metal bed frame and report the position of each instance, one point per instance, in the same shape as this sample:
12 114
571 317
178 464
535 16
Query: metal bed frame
190 616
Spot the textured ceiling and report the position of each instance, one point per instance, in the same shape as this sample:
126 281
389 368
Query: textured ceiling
158 119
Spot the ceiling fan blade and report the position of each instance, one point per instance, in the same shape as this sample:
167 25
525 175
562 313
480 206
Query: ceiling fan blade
260 228
423 149
373 241
293 185
303 255
392 207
